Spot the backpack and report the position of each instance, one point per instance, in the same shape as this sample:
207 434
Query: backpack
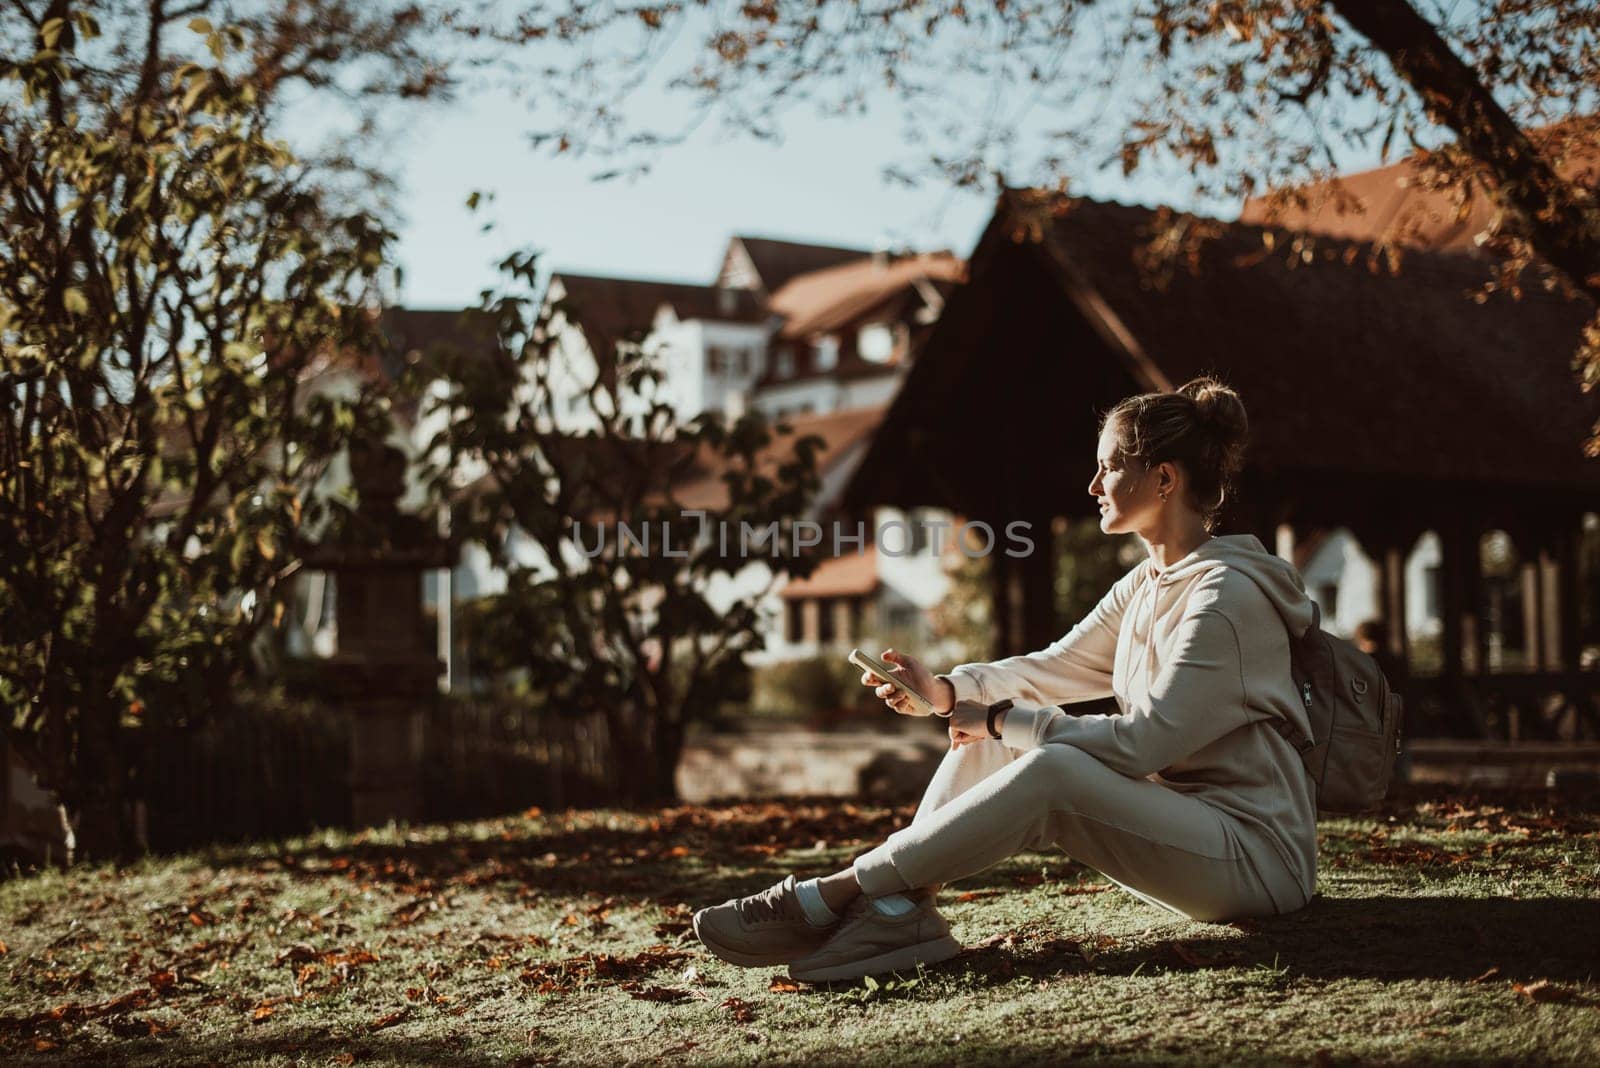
1355 719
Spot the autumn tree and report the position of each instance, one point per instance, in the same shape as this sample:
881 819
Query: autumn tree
180 296
637 541
1239 96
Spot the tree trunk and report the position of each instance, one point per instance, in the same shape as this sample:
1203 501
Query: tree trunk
645 751
101 826
1453 94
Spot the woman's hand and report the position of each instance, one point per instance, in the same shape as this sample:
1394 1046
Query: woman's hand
918 677
970 723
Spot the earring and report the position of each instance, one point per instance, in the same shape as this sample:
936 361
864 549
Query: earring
1163 496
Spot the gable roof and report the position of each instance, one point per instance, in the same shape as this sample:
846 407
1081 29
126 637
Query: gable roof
610 310
1348 373
837 296
776 261
840 431
1394 203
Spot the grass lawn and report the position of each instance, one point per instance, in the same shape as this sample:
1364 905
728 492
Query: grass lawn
1446 930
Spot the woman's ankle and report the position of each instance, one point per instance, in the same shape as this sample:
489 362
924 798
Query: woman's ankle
839 889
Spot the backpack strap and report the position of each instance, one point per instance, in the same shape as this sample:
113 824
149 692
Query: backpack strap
1285 727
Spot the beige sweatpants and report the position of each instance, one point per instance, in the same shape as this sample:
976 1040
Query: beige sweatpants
988 801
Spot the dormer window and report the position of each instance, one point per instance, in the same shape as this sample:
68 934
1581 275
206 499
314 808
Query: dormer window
825 353
783 367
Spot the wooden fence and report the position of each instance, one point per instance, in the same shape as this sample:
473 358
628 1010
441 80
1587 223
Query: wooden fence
272 772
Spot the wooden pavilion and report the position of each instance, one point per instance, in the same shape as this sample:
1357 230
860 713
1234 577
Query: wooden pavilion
1388 404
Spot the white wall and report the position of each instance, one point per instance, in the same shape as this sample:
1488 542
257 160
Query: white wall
1340 561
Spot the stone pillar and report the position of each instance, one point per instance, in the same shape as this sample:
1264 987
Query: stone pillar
385 673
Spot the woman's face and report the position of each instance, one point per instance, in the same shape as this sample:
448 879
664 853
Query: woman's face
1127 498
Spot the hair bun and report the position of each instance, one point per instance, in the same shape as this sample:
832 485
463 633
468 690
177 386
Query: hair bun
1219 408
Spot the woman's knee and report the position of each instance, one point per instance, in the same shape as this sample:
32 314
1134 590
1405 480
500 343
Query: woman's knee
1058 772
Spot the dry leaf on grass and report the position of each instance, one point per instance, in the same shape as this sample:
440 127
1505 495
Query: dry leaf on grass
1544 991
389 1020
782 984
742 1010
1486 976
657 993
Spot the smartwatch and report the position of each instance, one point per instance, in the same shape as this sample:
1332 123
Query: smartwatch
994 710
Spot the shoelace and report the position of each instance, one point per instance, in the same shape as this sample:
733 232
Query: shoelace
767 905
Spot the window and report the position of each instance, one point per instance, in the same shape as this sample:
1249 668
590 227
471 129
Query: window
825 353
784 367
794 619
875 342
1328 599
717 360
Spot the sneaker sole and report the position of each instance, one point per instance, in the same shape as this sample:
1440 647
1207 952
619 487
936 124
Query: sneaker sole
734 956
904 959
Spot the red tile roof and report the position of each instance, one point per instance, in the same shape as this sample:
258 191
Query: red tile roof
777 261
827 300
851 575
1394 203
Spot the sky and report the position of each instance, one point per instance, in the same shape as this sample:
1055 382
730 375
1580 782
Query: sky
822 183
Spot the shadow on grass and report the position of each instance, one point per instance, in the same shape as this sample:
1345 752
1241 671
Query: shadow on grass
313 1046
1380 938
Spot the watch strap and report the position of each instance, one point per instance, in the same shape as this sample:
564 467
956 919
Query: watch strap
994 710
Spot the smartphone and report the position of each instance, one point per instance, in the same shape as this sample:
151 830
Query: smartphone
867 662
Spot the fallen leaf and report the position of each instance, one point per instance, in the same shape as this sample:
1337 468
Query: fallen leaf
743 1011
1490 974
390 1020
344 1059
3 949
1545 991
659 993
782 984
263 1012
299 953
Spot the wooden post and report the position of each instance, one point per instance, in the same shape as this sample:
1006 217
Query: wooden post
1000 576
1037 581
1568 590
1454 543
1550 607
1532 615
1393 570
810 621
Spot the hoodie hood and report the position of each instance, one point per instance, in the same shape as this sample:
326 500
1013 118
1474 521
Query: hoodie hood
1276 577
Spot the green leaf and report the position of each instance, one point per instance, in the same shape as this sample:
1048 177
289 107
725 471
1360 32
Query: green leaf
50 32
75 302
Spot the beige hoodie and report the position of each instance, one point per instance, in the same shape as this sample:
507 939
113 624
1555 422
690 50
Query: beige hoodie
1197 656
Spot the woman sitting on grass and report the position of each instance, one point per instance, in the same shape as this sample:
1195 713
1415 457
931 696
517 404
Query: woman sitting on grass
1187 798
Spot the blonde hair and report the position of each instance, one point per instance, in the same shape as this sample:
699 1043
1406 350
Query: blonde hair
1201 427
